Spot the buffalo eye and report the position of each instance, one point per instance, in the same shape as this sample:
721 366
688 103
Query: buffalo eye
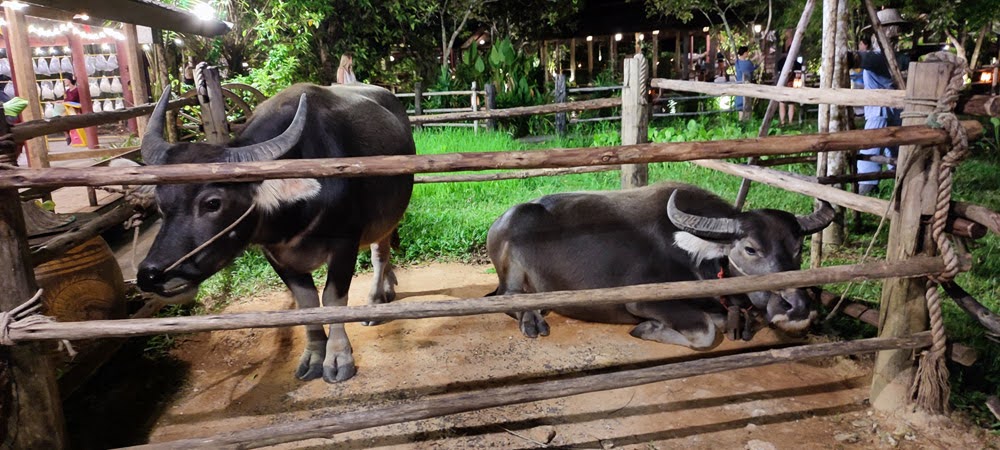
750 251
211 205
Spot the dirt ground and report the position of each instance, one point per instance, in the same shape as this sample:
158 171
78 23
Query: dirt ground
244 379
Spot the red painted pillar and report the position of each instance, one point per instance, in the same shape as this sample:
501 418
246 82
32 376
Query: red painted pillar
82 84
121 49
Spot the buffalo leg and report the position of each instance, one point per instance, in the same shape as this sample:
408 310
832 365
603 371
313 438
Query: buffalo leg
304 291
532 323
384 280
338 365
676 323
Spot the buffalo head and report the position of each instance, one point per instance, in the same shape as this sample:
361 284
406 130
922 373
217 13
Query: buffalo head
227 214
756 242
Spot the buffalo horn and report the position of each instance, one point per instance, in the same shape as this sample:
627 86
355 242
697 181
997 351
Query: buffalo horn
277 146
154 147
714 228
816 221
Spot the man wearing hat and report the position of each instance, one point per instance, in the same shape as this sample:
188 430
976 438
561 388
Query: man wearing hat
875 75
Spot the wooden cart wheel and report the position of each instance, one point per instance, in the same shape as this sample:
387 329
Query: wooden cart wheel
189 127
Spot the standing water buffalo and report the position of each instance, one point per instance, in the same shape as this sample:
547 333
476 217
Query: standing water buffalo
665 232
300 223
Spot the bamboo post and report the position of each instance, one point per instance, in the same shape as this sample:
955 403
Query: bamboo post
677 55
32 412
121 47
136 69
635 117
560 97
163 81
786 70
491 104
82 84
572 60
825 82
836 162
590 58
474 102
656 54
545 60
903 308
213 104
685 55
613 52
24 79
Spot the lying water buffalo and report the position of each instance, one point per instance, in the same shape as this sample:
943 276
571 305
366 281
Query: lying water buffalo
665 232
300 223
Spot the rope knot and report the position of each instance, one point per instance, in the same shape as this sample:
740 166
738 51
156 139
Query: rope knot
24 315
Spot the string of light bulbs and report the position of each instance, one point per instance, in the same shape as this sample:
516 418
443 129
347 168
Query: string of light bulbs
67 27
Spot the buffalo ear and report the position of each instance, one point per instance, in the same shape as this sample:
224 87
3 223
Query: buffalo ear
272 194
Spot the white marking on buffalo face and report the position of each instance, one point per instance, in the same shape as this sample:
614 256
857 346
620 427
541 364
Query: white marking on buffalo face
272 194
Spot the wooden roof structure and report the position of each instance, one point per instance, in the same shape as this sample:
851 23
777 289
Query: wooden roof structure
137 12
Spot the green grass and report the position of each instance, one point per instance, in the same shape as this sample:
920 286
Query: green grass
449 222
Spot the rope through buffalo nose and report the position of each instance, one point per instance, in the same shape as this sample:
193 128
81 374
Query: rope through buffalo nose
210 241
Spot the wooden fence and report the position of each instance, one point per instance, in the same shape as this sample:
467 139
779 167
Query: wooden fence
903 303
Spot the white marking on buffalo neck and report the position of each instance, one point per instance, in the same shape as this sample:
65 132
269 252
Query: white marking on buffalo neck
272 194
698 248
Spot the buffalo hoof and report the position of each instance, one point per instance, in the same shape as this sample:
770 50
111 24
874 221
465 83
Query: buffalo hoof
341 373
532 324
307 372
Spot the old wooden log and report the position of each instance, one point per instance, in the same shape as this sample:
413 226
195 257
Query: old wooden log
770 162
804 95
42 127
582 105
31 411
450 162
635 117
904 307
486 305
979 105
514 175
213 105
979 214
957 352
55 247
453 403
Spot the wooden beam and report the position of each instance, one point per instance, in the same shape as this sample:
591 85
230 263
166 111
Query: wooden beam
32 412
27 130
152 14
582 105
517 393
804 95
452 162
213 105
136 69
515 175
979 214
904 308
916 267
25 82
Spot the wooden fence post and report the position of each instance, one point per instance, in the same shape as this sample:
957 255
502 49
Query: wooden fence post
491 104
904 308
137 79
560 97
30 408
213 104
635 117
474 99
27 86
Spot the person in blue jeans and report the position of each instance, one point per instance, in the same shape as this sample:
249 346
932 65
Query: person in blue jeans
875 75
744 68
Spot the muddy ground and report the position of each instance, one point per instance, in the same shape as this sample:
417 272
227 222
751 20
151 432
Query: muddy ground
236 380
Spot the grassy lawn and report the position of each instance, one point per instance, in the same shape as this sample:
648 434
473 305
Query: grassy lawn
449 221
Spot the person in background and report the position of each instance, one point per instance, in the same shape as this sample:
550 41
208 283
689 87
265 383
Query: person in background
745 67
72 91
786 111
345 73
875 75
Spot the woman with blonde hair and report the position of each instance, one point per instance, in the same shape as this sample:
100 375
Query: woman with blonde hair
345 73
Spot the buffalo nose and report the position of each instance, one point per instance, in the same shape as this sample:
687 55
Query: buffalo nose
796 306
148 277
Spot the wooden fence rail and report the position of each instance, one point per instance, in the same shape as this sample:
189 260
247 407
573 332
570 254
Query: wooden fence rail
551 108
915 267
842 97
396 165
453 403
35 128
